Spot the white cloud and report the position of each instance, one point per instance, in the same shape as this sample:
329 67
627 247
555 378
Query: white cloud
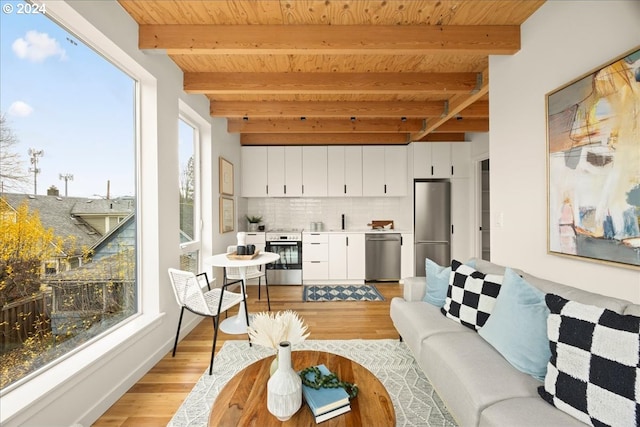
36 47
20 109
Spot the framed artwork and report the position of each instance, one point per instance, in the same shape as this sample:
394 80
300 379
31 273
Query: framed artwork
227 214
593 164
226 176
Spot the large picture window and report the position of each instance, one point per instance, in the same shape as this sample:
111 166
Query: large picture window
68 235
188 143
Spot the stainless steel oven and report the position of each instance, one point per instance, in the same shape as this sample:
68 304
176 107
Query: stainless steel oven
288 269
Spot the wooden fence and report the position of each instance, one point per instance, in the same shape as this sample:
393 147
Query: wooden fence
24 317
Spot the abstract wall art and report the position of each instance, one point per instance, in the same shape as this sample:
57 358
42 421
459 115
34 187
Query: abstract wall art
593 164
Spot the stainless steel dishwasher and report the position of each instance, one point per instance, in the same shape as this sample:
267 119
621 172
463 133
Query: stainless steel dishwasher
382 250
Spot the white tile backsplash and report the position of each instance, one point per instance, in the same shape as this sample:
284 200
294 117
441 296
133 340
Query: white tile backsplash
358 211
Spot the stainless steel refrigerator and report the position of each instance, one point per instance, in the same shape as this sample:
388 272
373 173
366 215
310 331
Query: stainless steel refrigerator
432 223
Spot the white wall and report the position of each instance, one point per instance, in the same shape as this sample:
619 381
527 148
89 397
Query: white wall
85 385
561 41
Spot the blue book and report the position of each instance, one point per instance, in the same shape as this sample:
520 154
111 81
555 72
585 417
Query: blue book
324 399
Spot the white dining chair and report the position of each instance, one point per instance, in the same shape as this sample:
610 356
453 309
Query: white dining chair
232 275
190 295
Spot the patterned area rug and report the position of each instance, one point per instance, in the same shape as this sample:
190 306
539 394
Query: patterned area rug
414 400
341 293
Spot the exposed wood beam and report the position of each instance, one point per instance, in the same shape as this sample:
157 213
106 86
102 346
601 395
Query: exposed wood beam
329 83
324 126
333 40
444 137
359 109
476 110
464 125
456 104
324 138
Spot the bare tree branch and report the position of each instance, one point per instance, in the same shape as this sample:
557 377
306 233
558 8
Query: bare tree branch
13 177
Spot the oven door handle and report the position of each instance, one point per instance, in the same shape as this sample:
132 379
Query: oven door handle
283 243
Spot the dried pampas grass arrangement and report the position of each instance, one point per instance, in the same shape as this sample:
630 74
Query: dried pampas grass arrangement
270 329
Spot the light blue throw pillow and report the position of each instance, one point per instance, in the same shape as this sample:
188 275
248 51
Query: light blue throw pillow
438 282
517 327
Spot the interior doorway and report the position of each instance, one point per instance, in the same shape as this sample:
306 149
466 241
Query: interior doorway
485 211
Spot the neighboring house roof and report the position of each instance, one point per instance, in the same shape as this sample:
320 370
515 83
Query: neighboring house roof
124 234
64 214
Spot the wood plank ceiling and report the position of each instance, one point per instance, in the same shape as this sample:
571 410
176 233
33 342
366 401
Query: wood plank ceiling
306 72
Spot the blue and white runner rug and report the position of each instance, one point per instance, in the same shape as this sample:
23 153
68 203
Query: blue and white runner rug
341 293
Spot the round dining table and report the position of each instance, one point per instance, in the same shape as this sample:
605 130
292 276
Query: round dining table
238 324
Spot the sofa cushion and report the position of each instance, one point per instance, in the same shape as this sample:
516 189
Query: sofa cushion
575 294
438 281
593 374
526 412
470 375
418 320
471 295
517 327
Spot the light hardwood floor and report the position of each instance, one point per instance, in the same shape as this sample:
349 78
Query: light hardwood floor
156 397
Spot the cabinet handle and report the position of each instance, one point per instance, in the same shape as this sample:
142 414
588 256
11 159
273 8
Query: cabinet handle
345 189
315 262
302 188
285 189
347 240
315 243
452 170
267 188
385 189
431 170
400 240
451 228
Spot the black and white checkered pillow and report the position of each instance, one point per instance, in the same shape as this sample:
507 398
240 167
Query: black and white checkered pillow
471 295
593 374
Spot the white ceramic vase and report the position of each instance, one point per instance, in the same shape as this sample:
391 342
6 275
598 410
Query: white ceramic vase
284 389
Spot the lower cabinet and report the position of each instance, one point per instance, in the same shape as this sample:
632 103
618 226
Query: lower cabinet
347 256
315 257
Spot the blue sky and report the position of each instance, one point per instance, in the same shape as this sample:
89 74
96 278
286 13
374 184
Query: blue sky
60 96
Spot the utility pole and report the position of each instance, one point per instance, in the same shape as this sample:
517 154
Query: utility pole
35 154
67 177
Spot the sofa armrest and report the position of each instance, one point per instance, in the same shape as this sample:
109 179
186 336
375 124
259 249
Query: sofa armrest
414 288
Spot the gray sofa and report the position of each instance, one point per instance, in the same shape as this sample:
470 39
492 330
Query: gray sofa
479 386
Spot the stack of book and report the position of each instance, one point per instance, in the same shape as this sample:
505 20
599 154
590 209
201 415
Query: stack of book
325 403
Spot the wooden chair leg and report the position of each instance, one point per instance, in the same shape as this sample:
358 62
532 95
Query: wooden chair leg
175 344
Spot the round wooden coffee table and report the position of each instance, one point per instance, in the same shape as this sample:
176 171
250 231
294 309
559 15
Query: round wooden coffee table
243 400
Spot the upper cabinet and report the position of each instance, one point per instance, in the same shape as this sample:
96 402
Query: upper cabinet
321 171
314 171
284 171
384 170
441 159
254 171
344 171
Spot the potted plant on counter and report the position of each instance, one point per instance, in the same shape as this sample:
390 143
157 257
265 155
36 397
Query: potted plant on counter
253 222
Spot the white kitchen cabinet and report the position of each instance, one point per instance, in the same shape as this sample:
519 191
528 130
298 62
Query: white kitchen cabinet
344 171
384 171
256 238
284 171
347 256
315 257
441 159
314 171
461 159
406 256
254 171
461 219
